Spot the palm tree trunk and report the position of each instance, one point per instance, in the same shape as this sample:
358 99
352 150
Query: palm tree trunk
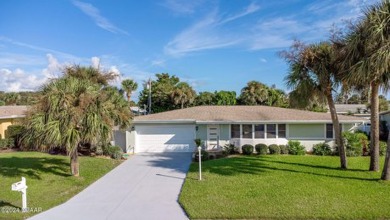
128 97
374 142
386 167
74 163
337 131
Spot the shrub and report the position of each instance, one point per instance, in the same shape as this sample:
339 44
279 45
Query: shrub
382 148
274 149
261 149
115 152
204 155
354 143
322 149
229 149
283 149
247 149
295 148
6 143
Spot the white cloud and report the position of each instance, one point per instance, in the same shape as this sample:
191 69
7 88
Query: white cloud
263 60
253 7
53 68
182 6
95 62
158 62
99 20
18 80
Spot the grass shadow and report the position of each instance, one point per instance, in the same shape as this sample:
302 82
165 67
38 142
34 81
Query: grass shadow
7 204
257 165
32 167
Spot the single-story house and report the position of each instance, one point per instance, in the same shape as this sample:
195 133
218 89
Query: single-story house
10 115
216 126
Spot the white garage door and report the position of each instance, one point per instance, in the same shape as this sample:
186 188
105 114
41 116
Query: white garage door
165 138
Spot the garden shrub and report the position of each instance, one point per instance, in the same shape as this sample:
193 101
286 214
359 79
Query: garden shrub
274 149
322 149
229 149
204 155
283 149
247 149
354 143
116 152
6 143
382 148
261 149
295 148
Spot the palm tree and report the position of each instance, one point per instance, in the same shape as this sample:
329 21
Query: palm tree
254 93
312 75
11 98
367 61
129 86
72 112
183 94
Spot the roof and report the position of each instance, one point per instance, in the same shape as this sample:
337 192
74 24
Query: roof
13 111
350 108
240 114
385 112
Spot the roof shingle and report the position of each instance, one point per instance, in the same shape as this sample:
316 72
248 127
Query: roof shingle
241 113
13 111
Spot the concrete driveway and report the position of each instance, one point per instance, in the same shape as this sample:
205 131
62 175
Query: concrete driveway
146 186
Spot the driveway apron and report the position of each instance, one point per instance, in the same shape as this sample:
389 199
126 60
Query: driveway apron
146 186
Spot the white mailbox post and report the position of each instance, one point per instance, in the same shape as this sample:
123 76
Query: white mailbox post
21 187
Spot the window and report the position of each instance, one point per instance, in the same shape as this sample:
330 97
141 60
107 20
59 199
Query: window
235 131
281 130
271 130
259 131
329 130
246 131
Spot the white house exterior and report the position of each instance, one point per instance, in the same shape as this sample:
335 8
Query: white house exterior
216 126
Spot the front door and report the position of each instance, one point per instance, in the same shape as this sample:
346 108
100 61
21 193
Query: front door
212 136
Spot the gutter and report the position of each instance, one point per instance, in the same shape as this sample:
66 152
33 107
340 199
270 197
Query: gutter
12 116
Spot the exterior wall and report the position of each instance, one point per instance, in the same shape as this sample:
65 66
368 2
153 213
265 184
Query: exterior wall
201 132
224 135
385 117
348 127
130 140
120 139
306 131
4 123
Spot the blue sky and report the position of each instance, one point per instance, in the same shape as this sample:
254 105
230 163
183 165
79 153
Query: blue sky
213 45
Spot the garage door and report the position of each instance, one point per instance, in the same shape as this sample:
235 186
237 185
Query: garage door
165 138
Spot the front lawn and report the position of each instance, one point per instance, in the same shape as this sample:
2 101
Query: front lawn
287 187
48 179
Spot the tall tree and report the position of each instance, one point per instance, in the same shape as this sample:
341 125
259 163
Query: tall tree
73 111
225 97
129 86
205 98
367 61
254 93
11 98
183 95
313 71
162 89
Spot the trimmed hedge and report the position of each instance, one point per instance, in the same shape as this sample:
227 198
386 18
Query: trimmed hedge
322 149
295 148
261 149
274 149
283 149
247 149
203 154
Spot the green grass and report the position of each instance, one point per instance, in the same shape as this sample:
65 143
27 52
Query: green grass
48 179
285 187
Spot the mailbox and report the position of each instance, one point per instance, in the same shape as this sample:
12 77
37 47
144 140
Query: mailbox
19 186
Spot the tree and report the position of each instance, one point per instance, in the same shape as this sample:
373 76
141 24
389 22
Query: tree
129 86
277 98
11 98
225 98
205 98
313 71
254 93
73 111
183 95
367 61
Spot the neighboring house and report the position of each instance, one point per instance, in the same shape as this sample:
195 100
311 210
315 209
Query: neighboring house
385 116
358 110
137 110
10 115
217 126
